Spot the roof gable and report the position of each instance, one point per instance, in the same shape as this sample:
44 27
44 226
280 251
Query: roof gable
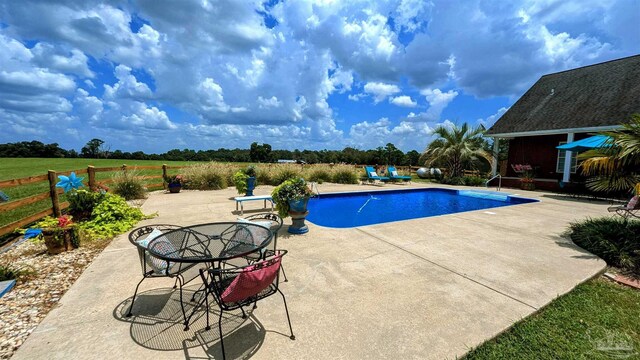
598 95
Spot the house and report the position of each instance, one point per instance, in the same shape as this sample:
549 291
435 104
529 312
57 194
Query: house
564 107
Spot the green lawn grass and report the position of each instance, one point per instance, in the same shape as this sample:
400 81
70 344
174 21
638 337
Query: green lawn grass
14 168
574 326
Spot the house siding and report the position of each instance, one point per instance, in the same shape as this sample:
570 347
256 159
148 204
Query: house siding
539 152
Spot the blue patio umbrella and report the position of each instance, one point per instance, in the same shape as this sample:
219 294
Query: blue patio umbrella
587 143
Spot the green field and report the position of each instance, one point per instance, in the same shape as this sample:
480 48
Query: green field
14 168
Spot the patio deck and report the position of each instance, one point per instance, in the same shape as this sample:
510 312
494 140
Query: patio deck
425 288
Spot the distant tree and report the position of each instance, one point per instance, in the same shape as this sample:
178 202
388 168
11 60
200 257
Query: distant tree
93 149
260 153
457 147
412 158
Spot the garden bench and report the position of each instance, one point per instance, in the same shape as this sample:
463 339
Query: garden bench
241 199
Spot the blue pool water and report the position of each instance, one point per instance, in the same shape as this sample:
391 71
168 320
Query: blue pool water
345 210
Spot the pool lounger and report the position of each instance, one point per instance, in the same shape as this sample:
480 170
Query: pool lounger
241 199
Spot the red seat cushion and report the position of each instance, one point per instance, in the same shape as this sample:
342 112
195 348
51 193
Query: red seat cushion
252 280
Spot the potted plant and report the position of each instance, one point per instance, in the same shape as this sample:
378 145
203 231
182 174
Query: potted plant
59 234
245 180
527 180
174 183
291 198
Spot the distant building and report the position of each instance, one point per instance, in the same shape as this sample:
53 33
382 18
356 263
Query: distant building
283 161
564 107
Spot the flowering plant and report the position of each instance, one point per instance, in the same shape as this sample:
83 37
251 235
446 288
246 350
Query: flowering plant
174 179
290 190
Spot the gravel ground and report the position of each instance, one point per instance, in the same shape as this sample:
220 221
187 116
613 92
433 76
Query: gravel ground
22 309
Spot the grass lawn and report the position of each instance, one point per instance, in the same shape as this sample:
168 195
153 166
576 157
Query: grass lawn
13 168
578 325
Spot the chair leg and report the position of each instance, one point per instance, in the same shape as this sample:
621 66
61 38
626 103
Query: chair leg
292 337
221 336
206 301
175 284
244 315
184 314
134 297
284 274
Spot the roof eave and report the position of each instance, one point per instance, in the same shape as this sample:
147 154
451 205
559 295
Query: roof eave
554 131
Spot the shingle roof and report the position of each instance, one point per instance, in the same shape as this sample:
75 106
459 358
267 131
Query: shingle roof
603 94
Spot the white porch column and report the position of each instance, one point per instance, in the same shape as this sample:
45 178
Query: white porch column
567 161
494 162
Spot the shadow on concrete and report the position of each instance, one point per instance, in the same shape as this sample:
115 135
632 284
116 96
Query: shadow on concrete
157 324
582 199
565 242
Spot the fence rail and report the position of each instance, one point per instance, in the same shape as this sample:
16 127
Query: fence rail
53 192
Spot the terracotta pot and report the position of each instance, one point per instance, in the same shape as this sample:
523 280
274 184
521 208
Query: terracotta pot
527 185
59 240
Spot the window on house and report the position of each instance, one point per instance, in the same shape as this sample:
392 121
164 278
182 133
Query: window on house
561 156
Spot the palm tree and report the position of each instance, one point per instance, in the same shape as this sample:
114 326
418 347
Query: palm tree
615 167
456 147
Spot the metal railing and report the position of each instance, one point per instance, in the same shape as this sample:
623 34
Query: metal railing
486 184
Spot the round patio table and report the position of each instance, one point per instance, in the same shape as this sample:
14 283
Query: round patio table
210 243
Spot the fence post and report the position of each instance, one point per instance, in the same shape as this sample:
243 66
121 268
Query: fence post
53 193
164 175
91 170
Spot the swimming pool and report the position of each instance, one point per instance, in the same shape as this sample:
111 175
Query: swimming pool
345 210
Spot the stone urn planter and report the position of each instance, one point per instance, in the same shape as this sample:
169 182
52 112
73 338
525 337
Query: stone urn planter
298 212
251 185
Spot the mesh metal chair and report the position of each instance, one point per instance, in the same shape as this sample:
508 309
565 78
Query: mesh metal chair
275 226
153 267
233 288
631 209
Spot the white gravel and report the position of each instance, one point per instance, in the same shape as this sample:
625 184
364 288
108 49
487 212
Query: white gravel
22 309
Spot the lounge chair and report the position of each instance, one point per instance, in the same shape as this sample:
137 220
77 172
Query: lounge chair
393 174
631 209
373 176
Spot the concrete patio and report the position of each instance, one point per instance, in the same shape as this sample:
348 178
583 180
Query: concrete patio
429 288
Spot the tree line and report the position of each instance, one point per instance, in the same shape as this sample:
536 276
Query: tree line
96 149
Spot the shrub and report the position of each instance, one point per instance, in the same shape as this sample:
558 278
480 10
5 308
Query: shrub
82 202
284 172
613 239
112 216
320 175
452 180
345 176
211 176
8 272
128 185
240 181
264 177
473 181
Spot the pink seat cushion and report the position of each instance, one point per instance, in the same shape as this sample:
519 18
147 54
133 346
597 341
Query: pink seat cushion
633 203
252 280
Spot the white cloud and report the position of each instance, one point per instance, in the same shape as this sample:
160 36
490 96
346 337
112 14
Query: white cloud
380 91
490 120
127 86
437 100
404 101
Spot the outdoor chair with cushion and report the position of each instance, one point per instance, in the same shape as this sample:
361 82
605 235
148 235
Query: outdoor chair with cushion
233 288
274 223
373 176
632 208
393 174
153 267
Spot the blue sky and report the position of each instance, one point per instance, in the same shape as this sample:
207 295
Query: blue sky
154 75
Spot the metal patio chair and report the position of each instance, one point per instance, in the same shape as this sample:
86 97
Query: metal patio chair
632 208
233 288
274 222
153 267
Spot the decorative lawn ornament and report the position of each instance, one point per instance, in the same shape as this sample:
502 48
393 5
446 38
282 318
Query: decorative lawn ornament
70 182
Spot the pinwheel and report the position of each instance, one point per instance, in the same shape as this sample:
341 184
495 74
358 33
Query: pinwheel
69 182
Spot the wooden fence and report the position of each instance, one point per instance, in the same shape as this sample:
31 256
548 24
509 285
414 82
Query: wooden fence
53 192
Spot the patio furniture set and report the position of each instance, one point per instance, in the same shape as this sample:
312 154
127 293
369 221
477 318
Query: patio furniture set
392 175
169 251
